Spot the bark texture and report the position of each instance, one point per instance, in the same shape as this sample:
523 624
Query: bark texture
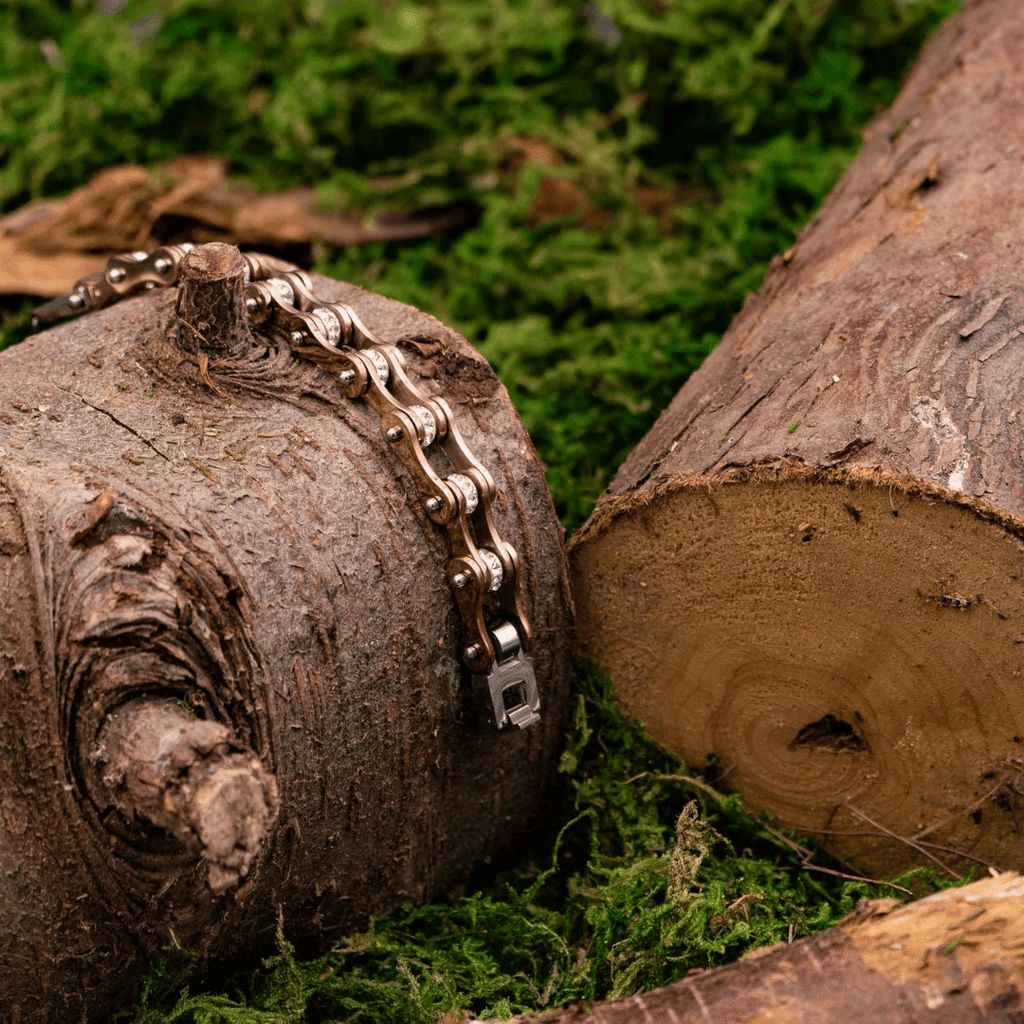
811 566
216 581
955 957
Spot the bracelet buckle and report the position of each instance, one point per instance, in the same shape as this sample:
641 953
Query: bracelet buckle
511 683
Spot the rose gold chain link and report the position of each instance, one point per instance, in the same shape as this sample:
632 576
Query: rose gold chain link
484 570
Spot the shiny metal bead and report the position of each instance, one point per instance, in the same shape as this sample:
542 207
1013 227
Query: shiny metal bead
283 290
380 363
329 323
494 565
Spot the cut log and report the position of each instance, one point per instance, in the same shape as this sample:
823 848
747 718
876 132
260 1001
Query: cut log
812 567
955 958
229 650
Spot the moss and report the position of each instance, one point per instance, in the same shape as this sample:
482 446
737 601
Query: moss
705 132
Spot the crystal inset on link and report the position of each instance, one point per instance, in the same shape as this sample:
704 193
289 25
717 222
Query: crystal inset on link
494 564
426 417
282 289
468 488
380 362
329 324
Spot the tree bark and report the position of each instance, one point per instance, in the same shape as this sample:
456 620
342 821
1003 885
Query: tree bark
229 650
954 958
811 566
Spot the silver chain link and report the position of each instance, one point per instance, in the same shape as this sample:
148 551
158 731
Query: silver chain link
483 570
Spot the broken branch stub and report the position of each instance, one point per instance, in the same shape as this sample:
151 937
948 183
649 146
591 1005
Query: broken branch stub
811 566
210 314
190 777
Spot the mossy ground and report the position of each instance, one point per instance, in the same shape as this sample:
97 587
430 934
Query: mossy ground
741 115
642 874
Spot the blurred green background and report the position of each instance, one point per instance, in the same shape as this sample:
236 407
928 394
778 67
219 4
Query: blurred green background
698 134
692 139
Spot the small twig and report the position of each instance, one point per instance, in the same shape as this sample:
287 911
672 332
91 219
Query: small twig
924 842
960 853
805 863
909 842
966 810
689 780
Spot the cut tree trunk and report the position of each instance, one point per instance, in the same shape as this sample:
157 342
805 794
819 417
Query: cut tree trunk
952 958
229 651
812 567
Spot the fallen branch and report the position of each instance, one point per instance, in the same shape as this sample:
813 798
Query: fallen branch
955 956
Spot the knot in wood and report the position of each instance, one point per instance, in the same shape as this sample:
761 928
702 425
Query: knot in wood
210 314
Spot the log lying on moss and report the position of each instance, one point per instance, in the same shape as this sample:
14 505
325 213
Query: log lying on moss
956 956
812 565
229 653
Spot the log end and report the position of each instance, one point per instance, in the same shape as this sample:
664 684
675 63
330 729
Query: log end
847 644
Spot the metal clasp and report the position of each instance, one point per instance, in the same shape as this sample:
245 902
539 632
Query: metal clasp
511 684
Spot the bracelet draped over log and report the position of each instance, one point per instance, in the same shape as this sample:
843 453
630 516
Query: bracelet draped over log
231 659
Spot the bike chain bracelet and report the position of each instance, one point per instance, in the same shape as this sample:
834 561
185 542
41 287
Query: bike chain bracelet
483 571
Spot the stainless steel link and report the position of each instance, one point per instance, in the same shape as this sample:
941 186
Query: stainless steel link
483 570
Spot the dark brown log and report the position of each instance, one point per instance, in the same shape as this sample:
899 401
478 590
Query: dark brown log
811 566
955 958
220 543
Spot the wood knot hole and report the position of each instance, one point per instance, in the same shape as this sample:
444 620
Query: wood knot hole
830 734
